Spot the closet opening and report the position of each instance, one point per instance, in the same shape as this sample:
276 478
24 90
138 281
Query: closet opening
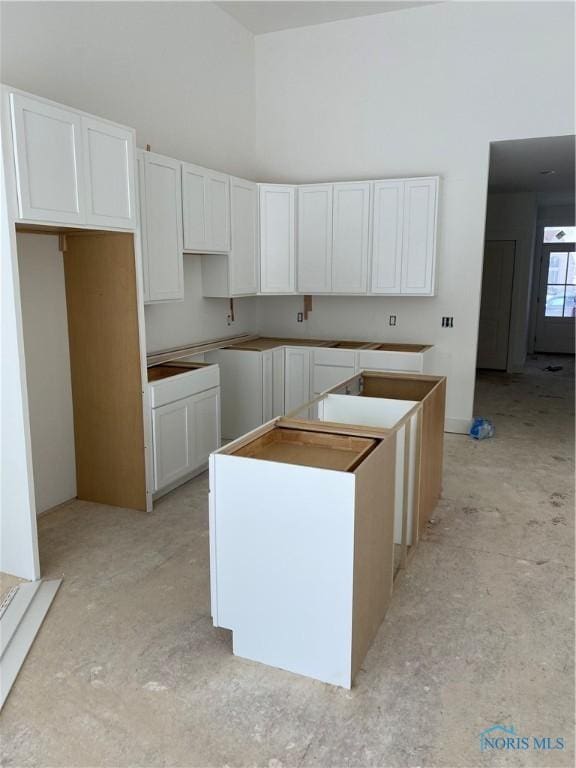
84 368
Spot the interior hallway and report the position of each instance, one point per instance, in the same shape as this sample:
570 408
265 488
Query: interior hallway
128 669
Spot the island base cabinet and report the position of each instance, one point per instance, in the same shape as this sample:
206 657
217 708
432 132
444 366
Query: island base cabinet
302 556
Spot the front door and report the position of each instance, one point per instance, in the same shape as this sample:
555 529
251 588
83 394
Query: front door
556 299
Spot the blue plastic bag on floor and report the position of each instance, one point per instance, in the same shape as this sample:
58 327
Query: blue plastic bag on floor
481 428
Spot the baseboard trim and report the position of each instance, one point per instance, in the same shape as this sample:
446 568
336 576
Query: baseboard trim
23 612
457 426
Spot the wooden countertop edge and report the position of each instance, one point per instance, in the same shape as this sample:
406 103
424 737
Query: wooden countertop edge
239 342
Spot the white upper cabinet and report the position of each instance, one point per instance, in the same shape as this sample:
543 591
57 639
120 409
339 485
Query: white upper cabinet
236 273
206 210
277 231
49 167
109 173
419 241
72 168
315 238
386 268
244 255
161 206
351 237
404 237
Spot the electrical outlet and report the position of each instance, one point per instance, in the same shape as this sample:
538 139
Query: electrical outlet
300 317
392 320
447 322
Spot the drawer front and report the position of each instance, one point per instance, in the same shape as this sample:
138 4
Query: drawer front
327 376
184 385
390 361
343 357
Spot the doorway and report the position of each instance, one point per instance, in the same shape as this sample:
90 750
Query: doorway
556 302
496 304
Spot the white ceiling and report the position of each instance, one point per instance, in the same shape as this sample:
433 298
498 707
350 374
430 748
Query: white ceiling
274 15
515 166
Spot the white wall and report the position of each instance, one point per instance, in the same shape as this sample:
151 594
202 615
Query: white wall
416 92
18 547
513 217
181 74
47 354
177 323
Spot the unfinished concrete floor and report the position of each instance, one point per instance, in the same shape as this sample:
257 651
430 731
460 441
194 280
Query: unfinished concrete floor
128 670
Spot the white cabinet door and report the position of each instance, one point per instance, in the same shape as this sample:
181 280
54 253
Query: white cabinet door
272 384
267 385
297 377
244 255
218 193
386 268
278 365
195 208
173 445
277 265
315 238
109 173
351 237
206 209
206 425
240 389
162 245
419 239
49 167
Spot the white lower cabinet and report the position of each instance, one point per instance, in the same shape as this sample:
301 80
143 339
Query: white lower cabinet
252 384
330 367
417 361
186 430
173 448
272 383
296 377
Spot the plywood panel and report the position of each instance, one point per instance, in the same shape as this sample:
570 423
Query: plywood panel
432 451
310 449
105 365
373 546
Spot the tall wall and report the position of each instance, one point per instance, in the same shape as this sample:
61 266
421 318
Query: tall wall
181 74
417 92
45 328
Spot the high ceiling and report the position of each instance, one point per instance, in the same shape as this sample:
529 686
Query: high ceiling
272 16
516 166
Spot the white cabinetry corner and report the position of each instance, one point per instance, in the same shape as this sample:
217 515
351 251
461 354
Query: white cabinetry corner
351 237
236 273
314 257
206 210
277 235
161 224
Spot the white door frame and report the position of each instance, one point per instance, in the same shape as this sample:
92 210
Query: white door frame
561 323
